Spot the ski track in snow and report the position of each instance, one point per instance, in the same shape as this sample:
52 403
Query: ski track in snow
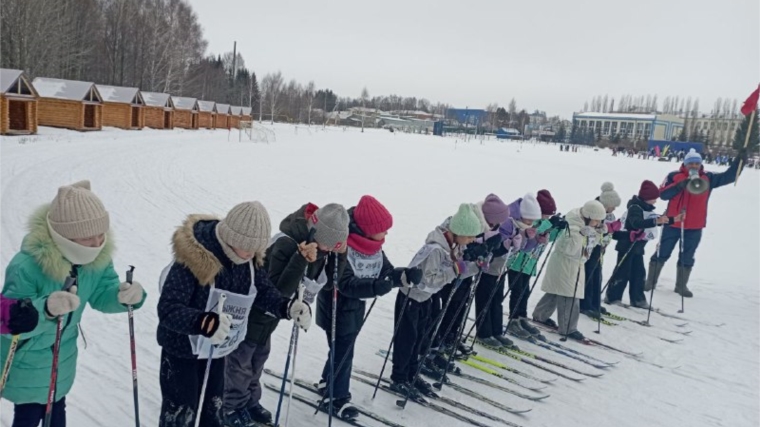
150 180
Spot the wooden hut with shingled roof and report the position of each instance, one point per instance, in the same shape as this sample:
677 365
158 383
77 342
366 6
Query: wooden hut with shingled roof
233 121
206 112
221 119
185 112
18 103
246 115
159 110
122 107
68 104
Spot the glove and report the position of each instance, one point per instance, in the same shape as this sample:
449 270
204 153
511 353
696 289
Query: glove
475 251
494 241
215 327
406 277
530 233
517 242
638 235
502 249
310 289
382 286
588 231
614 226
558 222
460 268
62 302
543 238
591 242
300 313
23 317
130 294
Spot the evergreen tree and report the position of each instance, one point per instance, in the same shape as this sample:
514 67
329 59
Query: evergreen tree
560 135
741 134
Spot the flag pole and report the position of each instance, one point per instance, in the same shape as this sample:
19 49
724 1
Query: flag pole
746 143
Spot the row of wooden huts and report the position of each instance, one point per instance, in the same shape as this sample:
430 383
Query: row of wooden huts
83 106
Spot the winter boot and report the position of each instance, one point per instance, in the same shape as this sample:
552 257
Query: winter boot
575 335
406 389
490 342
592 314
608 301
682 278
603 311
341 409
516 329
238 418
321 387
259 414
653 275
548 322
641 304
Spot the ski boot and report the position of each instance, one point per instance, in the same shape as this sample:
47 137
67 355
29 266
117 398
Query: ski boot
548 322
592 314
575 335
238 418
490 342
532 330
641 304
341 409
321 387
506 342
406 389
260 415
515 328
424 388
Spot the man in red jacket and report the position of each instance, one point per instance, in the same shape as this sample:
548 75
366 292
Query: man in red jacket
673 189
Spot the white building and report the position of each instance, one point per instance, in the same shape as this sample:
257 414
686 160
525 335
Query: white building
631 125
718 130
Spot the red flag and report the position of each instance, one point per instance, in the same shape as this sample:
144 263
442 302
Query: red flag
750 104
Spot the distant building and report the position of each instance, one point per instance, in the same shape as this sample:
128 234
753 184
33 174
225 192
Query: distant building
718 130
631 125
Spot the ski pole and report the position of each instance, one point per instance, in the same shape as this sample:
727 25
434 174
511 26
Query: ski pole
614 271
331 386
460 329
572 305
293 337
8 362
522 294
71 280
407 302
402 403
680 250
480 317
345 356
132 350
199 412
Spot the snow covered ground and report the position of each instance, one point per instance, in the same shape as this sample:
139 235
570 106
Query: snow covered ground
150 180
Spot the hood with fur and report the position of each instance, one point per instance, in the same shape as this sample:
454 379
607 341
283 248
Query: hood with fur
39 244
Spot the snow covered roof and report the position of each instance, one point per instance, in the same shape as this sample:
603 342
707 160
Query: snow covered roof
121 95
206 106
66 89
156 99
246 111
14 82
236 111
615 116
184 103
223 108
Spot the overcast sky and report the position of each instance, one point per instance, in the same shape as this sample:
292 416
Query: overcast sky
551 55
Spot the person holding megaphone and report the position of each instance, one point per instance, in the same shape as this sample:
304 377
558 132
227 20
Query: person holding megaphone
687 191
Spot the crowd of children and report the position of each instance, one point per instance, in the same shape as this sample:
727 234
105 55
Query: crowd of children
230 283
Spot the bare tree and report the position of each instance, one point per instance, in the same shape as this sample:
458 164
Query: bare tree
309 93
364 98
271 86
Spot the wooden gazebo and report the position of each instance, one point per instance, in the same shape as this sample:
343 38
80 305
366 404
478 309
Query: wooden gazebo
18 103
185 112
122 107
206 112
68 104
159 110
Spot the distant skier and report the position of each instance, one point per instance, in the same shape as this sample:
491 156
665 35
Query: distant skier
564 280
68 238
673 189
367 274
212 258
640 224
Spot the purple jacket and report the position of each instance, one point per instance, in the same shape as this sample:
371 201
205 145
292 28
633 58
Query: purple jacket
514 213
5 313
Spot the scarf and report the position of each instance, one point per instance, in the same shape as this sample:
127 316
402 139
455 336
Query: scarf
364 245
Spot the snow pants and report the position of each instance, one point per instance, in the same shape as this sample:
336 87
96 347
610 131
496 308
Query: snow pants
344 347
567 311
592 294
454 315
181 381
409 341
670 237
242 374
631 270
519 285
490 313
32 414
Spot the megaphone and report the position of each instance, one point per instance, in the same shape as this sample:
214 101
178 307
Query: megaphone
697 185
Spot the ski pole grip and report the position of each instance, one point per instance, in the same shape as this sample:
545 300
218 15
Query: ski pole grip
220 307
130 271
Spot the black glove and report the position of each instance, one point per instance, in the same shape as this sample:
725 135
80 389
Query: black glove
558 222
501 250
475 251
381 287
493 242
24 317
406 277
207 324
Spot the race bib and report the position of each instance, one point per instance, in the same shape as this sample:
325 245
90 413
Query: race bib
365 266
650 233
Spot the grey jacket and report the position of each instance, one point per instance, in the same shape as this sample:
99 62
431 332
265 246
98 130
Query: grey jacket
437 267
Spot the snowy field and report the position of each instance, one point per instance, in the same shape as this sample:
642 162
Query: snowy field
150 180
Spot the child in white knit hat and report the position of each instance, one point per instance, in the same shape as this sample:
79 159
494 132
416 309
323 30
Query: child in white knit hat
68 242
206 297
